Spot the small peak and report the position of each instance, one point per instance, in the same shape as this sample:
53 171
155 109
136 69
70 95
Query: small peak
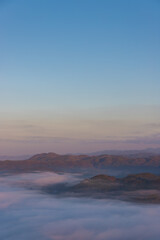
103 177
44 155
149 176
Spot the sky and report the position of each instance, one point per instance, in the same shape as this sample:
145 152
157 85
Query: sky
79 75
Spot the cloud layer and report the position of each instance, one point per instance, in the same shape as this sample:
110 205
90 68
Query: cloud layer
43 217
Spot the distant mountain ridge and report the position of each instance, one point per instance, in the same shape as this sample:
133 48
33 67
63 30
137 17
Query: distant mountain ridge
143 152
14 157
55 162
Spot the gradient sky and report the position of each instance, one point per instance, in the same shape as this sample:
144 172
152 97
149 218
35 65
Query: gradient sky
79 75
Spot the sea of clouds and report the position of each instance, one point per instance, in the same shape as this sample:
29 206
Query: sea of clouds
27 213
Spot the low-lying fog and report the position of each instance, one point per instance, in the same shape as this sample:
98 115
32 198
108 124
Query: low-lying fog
27 213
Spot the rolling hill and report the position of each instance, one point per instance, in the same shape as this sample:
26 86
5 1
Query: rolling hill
56 162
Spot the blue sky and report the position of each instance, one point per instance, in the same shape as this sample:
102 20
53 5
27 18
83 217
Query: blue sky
67 64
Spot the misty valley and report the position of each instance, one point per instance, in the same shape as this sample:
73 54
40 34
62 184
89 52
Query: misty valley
67 206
